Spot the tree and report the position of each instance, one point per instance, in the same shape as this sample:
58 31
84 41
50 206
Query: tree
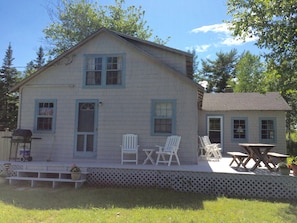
40 59
274 24
74 20
8 101
219 71
34 65
249 74
281 78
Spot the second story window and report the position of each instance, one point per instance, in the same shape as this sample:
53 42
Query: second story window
104 70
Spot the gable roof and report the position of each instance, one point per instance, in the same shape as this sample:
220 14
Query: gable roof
124 38
271 101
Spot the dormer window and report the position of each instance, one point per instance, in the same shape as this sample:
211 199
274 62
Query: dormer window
104 70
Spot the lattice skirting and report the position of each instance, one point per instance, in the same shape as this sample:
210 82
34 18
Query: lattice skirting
219 184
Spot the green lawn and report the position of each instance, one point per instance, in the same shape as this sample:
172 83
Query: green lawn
91 204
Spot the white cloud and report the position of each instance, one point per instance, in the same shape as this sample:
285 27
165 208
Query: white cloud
231 41
203 83
216 28
202 48
225 38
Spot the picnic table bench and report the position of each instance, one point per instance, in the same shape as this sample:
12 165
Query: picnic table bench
274 158
238 157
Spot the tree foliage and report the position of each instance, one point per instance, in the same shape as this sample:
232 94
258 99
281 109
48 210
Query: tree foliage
274 24
8 101
195 64
249 74
34 65
74 20
219 71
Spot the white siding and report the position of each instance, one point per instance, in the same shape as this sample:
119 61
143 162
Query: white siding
124 110
253 127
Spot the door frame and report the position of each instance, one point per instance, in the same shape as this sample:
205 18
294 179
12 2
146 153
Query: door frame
86 154
221 117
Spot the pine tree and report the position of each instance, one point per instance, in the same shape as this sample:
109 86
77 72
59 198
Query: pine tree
40 60
8 100
34 65
219 71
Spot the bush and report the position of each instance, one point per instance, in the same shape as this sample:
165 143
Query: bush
292 143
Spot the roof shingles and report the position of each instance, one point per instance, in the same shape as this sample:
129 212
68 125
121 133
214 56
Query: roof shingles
271 101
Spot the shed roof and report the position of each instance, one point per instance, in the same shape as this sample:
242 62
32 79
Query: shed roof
270 101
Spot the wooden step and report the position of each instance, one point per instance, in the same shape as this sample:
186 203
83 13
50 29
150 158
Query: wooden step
54 176
55 181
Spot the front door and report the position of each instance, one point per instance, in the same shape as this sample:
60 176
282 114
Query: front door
215 129
86 128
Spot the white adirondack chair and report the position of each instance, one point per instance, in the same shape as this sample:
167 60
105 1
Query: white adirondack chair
129 149
170 149
212 151
201 152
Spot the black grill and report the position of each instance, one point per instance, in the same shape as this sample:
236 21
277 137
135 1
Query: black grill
21 136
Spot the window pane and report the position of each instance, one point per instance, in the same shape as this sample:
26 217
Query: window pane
98 63
215 124
267 131
86 117
80 143
94 64
113 78
163 125
239 129
90 143
114 63
46 109
163 109
44 123
93 78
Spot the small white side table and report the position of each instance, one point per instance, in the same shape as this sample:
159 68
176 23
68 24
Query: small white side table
149 153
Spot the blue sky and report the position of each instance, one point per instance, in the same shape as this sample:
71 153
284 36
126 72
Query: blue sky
191 24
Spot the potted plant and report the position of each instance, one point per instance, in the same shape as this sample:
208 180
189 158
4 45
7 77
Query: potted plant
75 172
283 168
293 165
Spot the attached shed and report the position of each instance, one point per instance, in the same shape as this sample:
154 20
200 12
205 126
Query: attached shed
232 118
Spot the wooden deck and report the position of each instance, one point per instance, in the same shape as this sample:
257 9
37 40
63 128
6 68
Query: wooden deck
208 177
221 166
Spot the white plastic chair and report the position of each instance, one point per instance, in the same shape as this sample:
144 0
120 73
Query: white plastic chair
212 151
129 148
170 149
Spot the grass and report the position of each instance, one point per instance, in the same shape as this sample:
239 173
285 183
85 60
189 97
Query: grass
95 204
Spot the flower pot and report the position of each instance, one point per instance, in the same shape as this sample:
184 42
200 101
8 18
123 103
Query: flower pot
294 168
284 171
75 175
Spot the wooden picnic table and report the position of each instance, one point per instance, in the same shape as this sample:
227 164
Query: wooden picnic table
257 152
